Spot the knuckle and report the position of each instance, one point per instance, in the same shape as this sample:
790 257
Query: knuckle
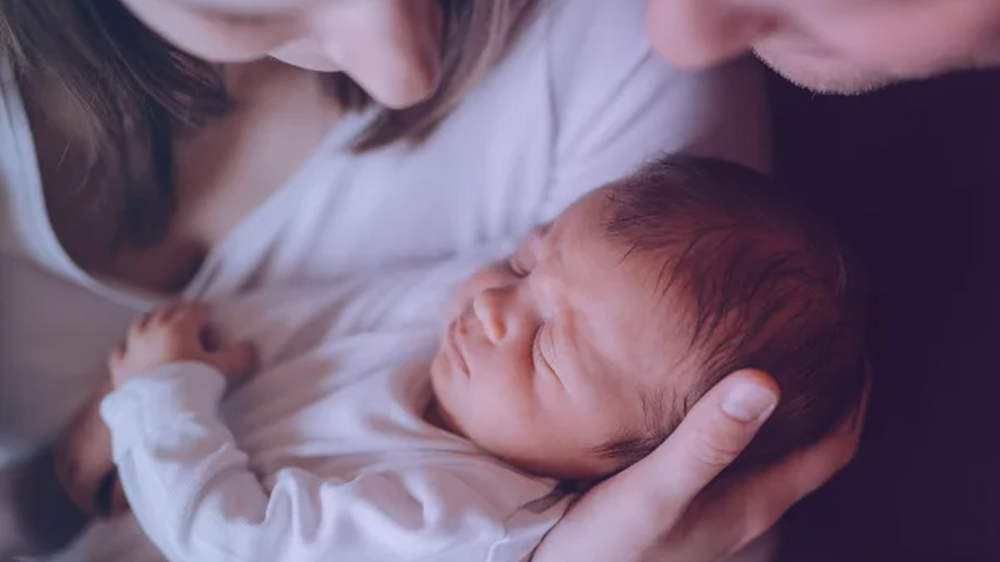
171 338
715 450
846 458
171 348
753 528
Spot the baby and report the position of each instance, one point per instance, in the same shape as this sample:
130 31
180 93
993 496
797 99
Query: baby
569 360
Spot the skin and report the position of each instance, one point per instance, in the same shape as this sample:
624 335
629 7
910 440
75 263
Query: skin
558 342
390 47
836 46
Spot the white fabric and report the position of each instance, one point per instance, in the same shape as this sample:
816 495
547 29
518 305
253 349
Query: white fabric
579 101
323 454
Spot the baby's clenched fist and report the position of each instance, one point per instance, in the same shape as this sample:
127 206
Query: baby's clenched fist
175 333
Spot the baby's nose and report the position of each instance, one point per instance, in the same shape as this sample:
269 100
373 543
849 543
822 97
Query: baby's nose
487 306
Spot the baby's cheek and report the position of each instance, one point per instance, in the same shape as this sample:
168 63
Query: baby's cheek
498 413
507 435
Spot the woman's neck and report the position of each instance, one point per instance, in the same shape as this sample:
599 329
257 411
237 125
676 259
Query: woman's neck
251 79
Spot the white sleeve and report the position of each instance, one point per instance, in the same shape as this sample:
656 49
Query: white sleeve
194 494
619 104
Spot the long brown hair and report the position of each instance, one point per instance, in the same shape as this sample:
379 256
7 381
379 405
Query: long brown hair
131 89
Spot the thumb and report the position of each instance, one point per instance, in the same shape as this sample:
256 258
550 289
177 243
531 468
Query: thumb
235 361
715 432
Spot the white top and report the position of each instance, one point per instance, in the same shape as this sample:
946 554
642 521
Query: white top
323 454
581 100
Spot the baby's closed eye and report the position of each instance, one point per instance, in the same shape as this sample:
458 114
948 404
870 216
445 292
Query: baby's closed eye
539 355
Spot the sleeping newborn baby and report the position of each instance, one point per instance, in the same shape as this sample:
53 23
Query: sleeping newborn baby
371 432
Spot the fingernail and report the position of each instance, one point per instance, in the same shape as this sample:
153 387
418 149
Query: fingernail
748 402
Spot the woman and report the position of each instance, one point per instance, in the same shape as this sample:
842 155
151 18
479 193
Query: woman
240 143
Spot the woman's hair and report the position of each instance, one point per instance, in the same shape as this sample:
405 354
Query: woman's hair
128 90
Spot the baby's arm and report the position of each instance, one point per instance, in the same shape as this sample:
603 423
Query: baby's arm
195 496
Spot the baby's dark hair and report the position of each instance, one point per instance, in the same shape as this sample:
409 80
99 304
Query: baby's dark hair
759 285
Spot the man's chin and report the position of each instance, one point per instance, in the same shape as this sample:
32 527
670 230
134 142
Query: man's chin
833 82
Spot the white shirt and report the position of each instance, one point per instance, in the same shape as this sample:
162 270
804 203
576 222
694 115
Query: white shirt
323 454
581 100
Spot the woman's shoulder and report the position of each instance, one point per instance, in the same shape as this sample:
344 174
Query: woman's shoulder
617 103
584 42
594 39
601 65
579 26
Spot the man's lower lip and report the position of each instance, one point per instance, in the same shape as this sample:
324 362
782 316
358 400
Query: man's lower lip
454 348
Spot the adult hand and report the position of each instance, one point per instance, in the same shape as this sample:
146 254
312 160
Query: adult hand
670 506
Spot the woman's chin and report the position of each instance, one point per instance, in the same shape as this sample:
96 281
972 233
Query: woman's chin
305 62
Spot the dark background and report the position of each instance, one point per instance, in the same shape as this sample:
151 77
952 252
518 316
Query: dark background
912 175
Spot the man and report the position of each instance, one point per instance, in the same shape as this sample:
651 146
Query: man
837 46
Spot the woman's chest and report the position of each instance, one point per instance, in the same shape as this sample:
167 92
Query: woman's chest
222 174
226 171
461 189
275 194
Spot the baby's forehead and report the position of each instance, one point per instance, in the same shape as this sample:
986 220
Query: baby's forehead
629 319
642 329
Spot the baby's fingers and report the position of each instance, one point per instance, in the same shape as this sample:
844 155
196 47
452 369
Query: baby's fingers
234 361
183 323
189 315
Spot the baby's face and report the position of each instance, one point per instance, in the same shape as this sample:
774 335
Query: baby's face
558 350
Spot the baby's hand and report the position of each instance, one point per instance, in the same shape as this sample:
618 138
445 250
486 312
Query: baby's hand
176 332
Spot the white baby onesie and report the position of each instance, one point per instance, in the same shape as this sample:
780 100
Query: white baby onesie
324 453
